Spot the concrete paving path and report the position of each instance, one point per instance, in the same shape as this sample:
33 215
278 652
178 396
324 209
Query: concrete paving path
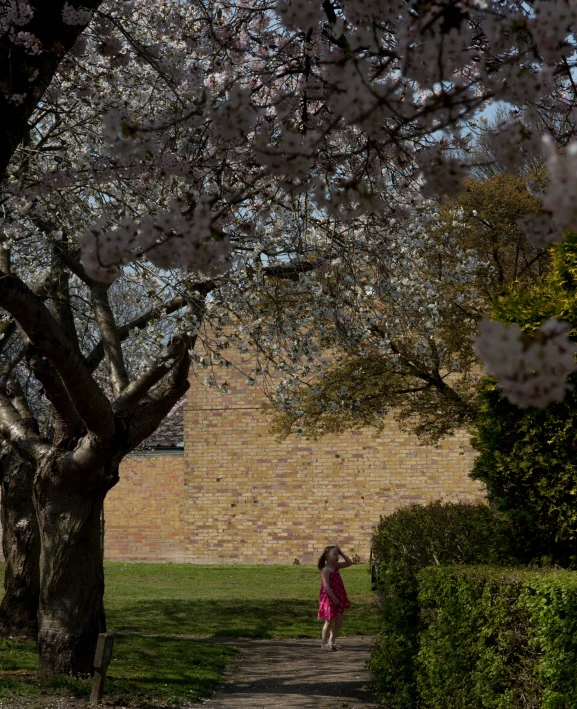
296 674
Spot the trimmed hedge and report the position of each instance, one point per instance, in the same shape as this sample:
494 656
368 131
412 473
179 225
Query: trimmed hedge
404 543
497 639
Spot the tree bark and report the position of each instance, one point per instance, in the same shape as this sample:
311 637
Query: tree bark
71 610
21 546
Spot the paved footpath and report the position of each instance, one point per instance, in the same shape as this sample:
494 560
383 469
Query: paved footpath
287 674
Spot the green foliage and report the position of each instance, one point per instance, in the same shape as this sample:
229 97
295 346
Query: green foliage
497 639
404 543
527 457
360 390
409 378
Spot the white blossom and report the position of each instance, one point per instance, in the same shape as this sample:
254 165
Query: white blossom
561 195
75 16
299 14
532 371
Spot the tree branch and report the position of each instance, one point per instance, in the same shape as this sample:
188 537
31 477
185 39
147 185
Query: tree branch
20 403
7 329
13 429
24 76
60 293
109 337
97 353
70 257
49 339
6 370
133 393
67 423
151 411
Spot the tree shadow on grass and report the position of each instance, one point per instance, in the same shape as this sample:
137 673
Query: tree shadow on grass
142 668
166 667
237 618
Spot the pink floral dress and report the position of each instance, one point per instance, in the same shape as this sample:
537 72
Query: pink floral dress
327 609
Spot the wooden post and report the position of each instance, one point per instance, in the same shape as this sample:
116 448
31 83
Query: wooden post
102 658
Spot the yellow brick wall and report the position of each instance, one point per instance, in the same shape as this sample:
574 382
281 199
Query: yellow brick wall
248 498
143 511
239 496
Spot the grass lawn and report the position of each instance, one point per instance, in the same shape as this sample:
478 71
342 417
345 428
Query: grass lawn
244 601
186 599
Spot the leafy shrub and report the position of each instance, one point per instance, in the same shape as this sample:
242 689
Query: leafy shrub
404 543
527 461
527 456
497 639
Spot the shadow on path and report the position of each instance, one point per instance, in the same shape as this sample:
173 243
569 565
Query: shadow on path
282 674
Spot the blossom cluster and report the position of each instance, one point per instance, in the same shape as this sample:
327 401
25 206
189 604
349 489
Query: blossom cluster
15 13
177 237
532 370
75 16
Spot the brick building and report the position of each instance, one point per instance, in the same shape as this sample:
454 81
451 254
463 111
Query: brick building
213 485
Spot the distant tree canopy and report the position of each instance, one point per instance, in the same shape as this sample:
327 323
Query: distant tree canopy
427 309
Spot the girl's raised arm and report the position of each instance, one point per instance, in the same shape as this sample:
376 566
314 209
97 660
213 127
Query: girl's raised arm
347 560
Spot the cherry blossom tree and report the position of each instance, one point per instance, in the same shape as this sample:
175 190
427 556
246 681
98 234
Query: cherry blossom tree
330 100
389 322
193 150
108 379
339 100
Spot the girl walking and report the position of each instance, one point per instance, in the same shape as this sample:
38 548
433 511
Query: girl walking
333 601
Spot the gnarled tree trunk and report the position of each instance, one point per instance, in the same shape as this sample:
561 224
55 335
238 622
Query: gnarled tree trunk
71 610
78 463
21 546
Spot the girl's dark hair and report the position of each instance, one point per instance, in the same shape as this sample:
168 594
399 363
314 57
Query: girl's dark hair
323 557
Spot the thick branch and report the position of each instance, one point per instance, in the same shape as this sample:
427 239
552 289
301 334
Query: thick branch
151 411
7 369
133 393
5 254
24 77
49 339
60 287
13 429
67 423
97 353
20 403
7 329
110 338
292 271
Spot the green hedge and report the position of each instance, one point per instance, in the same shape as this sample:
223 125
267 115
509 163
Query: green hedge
527 457
497 639
404 543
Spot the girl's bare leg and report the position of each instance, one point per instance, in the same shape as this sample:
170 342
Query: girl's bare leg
325 632
335 629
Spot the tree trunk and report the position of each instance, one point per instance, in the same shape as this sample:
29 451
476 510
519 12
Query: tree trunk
71 610
21 546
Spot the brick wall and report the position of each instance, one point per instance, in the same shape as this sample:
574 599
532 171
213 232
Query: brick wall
143 512
239 496
236 495
248 498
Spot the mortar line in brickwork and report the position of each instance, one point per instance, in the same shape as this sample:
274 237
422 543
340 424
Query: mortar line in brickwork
226 408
